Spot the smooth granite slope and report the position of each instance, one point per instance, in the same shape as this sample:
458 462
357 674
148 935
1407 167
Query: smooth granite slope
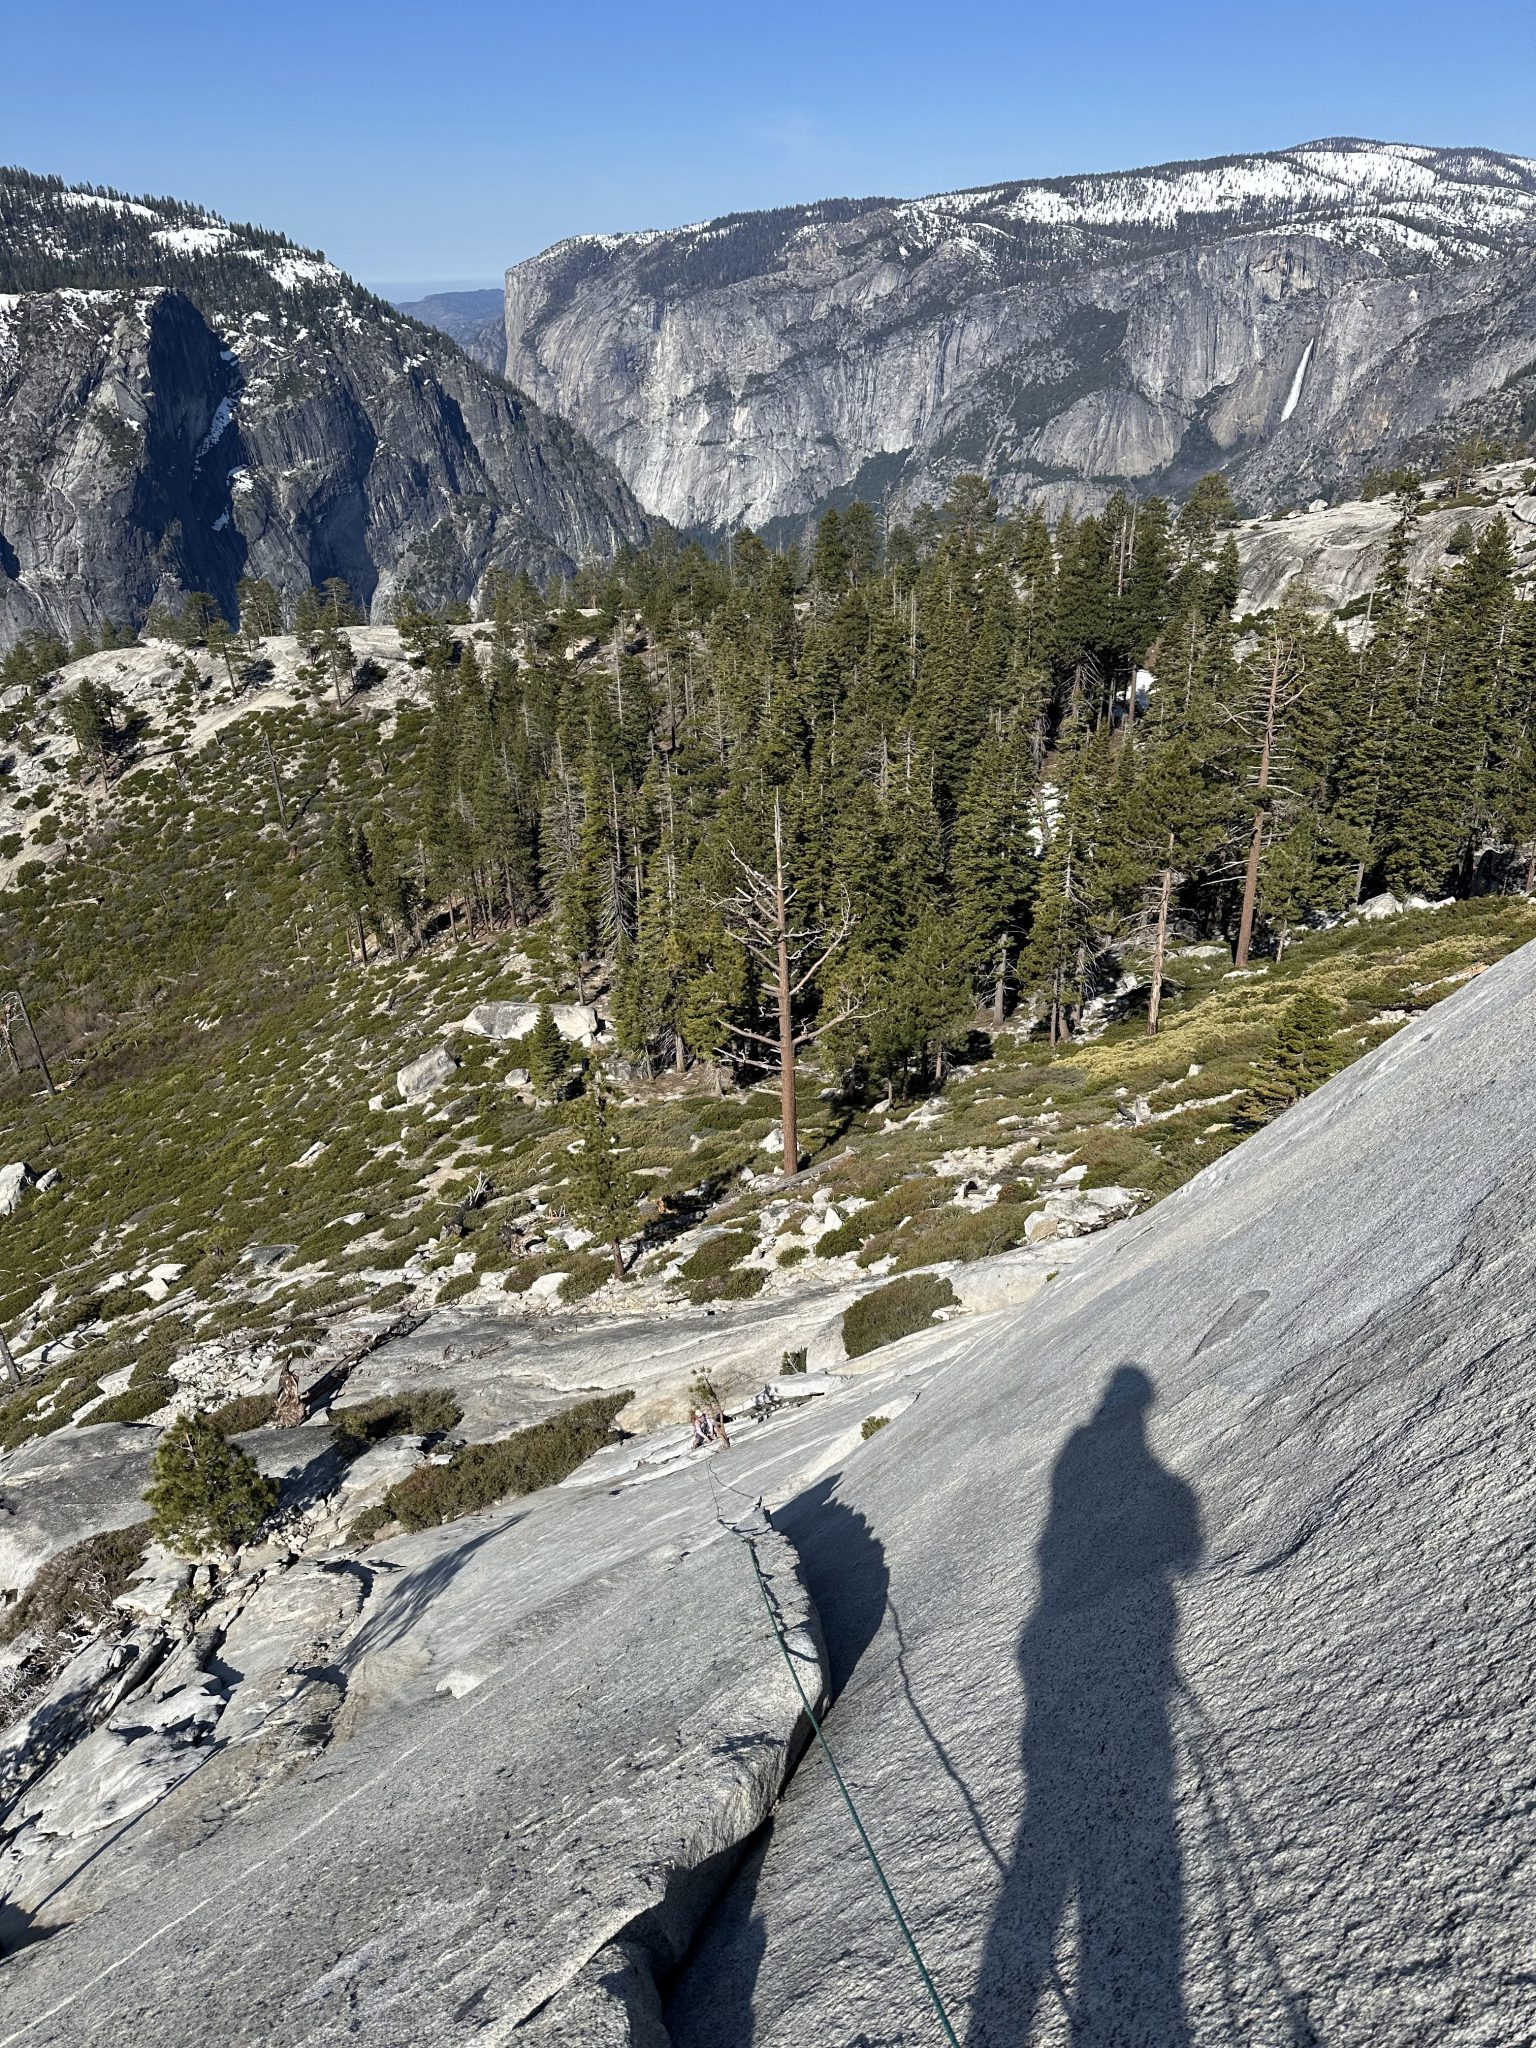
1180 1623
489 1775
1196 1701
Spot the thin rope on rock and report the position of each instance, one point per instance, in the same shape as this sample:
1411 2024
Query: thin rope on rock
777 1625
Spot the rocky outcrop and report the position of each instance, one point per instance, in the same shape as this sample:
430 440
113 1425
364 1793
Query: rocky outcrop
229 408
420 1079
1182 1621
1289 318
1335 555
576 1022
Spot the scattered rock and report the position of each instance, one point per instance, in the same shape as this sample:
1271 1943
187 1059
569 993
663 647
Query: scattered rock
15 1179
421 1079
264 1256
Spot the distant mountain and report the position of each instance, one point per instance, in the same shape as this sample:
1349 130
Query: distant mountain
1290 318
185 400
475 320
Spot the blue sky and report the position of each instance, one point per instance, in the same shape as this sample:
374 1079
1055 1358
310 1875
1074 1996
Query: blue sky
438 143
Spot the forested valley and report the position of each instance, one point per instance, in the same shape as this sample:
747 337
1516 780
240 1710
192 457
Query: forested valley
999 754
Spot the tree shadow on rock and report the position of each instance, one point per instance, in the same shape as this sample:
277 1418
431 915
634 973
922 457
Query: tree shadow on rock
405 1603
1098 1831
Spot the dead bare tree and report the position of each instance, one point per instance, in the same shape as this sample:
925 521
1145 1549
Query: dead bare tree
762 917
1281 689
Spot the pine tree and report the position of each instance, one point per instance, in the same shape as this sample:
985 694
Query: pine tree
1303 1055
992 865
90 713
548 1056
259 607
603 1194
205 1493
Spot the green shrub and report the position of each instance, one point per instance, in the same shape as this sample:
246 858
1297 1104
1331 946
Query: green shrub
1302 1056
871 1424
717 1255
204 1492
65 1389
137 1402
590 1272
740 1284
960 1234
792 1362
366 1526
387 1295
793 1254
456 1288
893 1311
431 1411
910 1197
833 1244
76 1588
522 1273
479 1474
245 1411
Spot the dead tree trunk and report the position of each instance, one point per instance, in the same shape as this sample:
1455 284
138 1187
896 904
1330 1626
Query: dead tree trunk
1260 809
1159 950
760 915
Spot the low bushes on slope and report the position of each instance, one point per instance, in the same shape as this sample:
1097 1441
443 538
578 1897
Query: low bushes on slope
895 1311
479 1474
76 1588
431 1411
45 1404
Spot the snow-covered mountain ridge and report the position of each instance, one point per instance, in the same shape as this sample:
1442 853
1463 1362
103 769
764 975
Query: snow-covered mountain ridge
1291 318
185 401
1392 197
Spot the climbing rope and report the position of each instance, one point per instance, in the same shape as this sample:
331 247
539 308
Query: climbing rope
777 1625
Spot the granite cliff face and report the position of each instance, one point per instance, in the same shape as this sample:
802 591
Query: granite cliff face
185 402
1290 318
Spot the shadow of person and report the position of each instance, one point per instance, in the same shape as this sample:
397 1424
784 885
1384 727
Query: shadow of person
1098 1830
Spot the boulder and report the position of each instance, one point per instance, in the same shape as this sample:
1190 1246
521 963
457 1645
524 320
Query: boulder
56 1490
501 1021
421 1079
265 1256
15 1179
1374 908
576 1022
